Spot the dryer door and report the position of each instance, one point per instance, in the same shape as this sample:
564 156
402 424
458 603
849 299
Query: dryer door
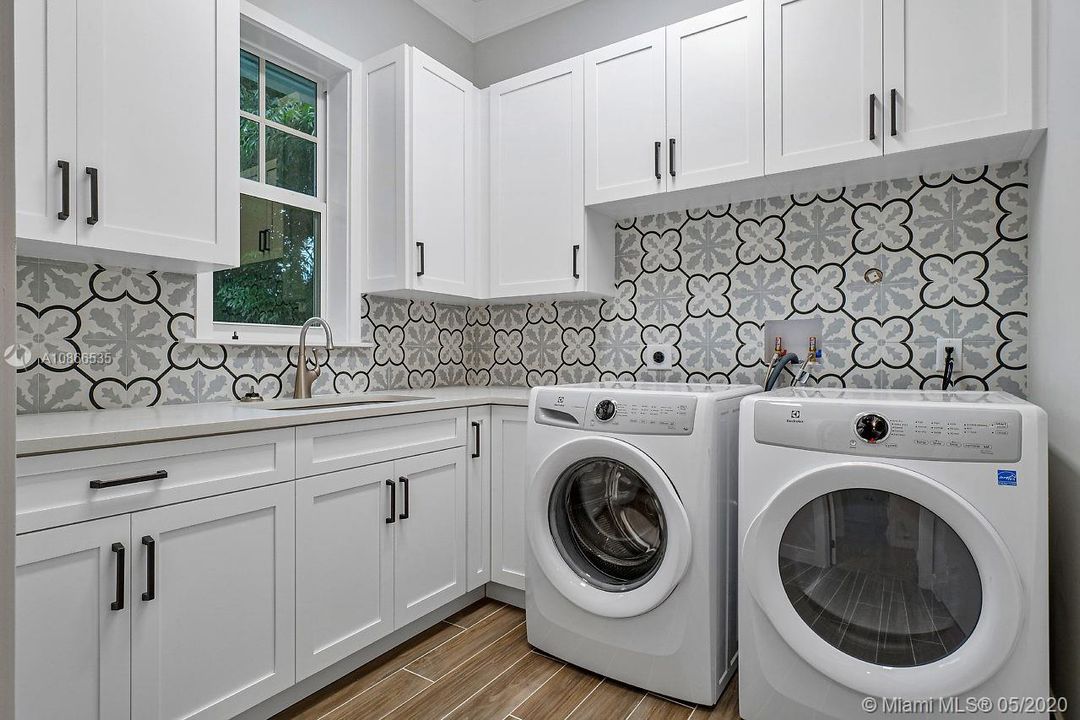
606 527
885 581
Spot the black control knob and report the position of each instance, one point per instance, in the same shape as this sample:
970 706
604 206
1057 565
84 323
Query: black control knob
872 428
605 410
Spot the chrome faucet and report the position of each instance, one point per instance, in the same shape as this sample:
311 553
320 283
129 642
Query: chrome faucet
306 378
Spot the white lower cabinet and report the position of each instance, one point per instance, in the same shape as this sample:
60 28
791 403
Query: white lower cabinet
72 599
508 495
478 544
212 605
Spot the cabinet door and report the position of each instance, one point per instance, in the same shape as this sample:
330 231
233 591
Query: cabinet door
625 123
961 70
823 98
430 534
45 120
441 205
537 183
479 497
344 564
71 635
715 97
213 624
158 123
508 495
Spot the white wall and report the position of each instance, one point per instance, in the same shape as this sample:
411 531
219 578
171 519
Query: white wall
364 28
1055 334
7 374
575 30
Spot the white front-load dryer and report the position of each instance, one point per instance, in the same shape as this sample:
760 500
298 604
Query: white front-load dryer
630 513
893 555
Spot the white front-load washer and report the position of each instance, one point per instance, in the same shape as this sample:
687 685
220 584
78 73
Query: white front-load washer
893 555
630 513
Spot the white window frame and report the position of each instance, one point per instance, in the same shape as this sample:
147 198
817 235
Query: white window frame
337 77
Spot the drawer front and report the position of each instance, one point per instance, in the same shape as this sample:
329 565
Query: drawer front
64 488
342 445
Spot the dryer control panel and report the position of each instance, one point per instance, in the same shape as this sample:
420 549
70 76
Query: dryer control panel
932 432
618 412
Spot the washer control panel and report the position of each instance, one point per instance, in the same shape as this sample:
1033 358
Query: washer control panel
933 432
617 411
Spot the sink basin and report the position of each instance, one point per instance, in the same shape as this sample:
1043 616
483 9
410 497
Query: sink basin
327 401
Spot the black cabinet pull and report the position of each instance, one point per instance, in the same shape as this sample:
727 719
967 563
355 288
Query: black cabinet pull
476 436
118 604
93 218
405 488
892 112
873 116
656 159
65 191
576 272
420 249
671 157
393 502
99 484
151 567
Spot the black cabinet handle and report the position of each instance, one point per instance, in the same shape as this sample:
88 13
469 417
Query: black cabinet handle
656 159
405 487
576 272
476 436
892 112
420 249
873 116
671 157
118 604
93 218
393 502
99 484
151 567
65 191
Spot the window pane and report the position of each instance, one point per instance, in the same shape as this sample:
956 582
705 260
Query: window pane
277 282
290 161
249 149
249 82
290 99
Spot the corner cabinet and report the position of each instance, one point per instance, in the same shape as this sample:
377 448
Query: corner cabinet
109 168
419 177
508 426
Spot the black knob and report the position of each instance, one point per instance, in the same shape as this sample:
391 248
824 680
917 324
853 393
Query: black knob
872 428
605 410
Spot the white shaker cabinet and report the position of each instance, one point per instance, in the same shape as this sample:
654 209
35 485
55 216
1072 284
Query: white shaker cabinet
715 97
957 70
823 97
73 600
479 497
212 605
135 161
508 425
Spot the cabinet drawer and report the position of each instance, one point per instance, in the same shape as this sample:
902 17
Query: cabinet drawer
53 490
349 444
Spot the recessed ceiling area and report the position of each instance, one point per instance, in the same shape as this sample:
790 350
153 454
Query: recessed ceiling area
479 19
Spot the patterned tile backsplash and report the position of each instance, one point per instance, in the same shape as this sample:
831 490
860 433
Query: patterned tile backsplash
952 247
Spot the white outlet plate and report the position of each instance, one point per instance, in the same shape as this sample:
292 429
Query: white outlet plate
659 357
958 353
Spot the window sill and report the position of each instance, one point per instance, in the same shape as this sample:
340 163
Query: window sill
272 342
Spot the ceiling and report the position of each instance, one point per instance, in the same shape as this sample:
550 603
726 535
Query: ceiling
479 19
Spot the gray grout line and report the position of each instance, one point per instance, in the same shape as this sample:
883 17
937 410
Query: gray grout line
489 682
413 672
634 709
597 685
561 668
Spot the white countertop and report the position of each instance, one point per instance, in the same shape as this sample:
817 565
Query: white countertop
57 432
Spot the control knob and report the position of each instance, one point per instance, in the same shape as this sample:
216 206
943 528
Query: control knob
605 410
871 428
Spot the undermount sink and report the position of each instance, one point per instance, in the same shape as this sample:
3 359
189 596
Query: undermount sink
326 401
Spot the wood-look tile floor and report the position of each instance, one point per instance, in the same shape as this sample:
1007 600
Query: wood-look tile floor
478 665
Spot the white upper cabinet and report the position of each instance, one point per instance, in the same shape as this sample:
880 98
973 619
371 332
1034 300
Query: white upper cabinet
957 70
419 206
823 97
140 100
537 201
715 97
625 119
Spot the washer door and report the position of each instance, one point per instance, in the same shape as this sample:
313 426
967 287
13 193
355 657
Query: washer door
607 527
885 581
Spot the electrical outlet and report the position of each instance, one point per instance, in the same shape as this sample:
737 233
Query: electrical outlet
957 344
659 357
